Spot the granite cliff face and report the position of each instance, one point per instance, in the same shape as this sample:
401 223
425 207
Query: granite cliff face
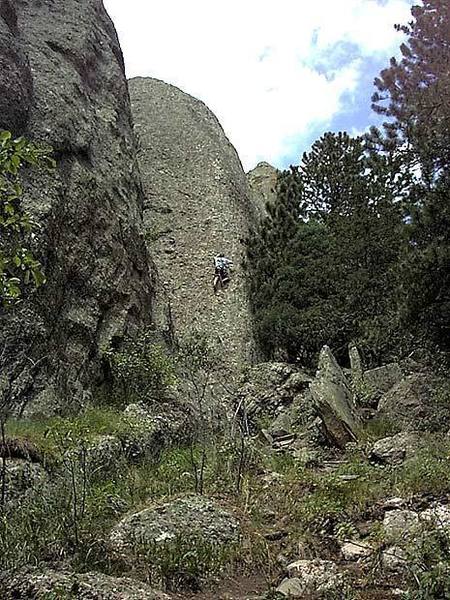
198 204
62 82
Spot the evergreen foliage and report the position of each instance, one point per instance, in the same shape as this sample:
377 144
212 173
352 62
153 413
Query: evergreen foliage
356 245
415 94
323 260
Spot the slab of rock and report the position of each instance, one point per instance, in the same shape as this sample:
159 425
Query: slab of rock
400 525
393 450
316 576
191 516
412 404
292 588
356 367
62 82
198 204
37 584
382 379
334 401
355 550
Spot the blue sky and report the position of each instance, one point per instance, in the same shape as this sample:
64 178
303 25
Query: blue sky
276 74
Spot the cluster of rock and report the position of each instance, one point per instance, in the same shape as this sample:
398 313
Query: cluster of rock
164 182
294 409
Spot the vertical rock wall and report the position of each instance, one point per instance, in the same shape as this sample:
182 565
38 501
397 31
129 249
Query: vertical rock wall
263 185
198 204
62 81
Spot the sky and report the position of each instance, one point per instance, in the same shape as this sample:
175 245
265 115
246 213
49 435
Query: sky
277 74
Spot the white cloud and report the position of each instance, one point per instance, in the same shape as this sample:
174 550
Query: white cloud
252 61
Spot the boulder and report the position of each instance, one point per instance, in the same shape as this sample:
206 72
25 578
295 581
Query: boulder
277 392
191 516
104 454
42 584
353 551
313 577
393 450
152 429
394 559
23 480
414 404
334 401
382 379
62 83
400 525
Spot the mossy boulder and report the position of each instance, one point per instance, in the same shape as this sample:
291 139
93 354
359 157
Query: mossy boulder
191 516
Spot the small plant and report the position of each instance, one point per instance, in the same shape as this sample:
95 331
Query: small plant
429 565
18 266
142 370
184 562
198 365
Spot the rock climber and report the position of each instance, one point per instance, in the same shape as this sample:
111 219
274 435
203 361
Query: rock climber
222 266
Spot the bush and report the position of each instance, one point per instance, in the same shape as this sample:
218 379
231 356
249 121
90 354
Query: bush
142 370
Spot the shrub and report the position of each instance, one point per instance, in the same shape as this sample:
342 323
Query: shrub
142 370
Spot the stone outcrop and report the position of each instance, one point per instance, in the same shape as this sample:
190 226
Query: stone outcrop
62 82
38 584
393 450
334 401
263 183
198 204
416 403
194 517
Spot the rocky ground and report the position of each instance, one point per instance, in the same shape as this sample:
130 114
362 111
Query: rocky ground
333 485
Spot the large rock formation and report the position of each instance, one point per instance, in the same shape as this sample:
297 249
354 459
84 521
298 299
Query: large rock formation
198 204
263 185
62 81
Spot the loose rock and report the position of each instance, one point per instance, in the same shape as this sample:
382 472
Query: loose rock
316 576
393 450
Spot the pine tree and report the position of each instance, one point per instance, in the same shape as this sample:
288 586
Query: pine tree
354 195
414 94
